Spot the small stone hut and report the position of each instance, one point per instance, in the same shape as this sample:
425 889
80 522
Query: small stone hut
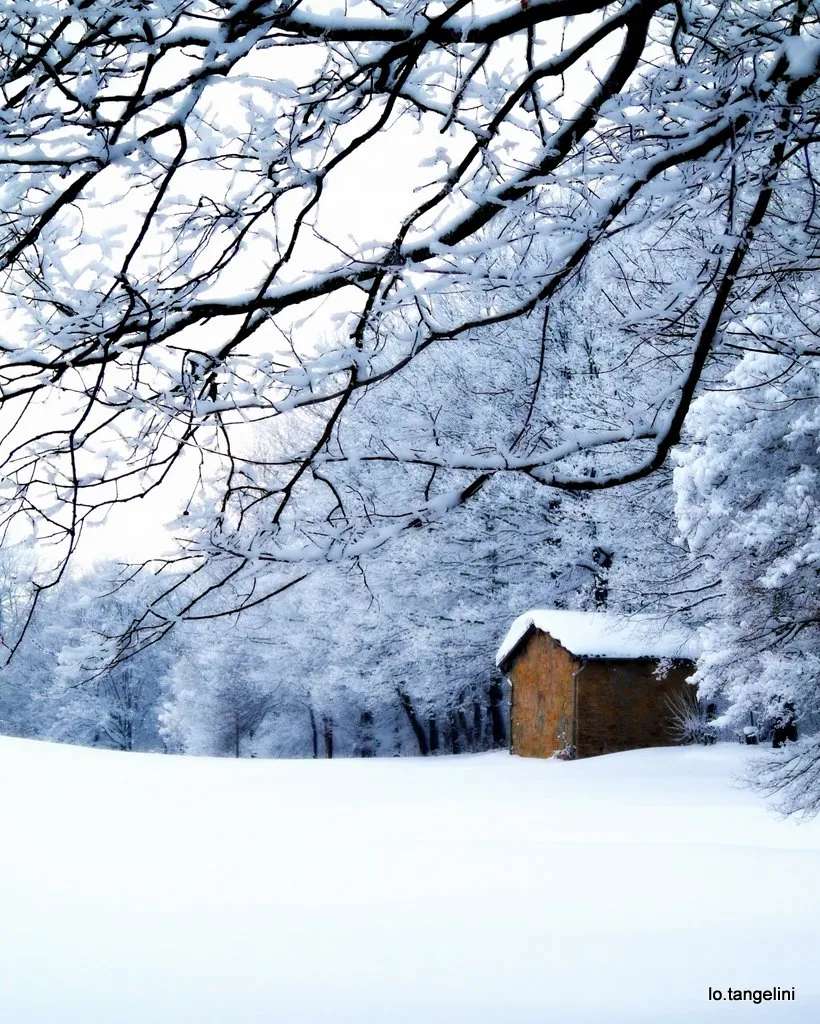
587 683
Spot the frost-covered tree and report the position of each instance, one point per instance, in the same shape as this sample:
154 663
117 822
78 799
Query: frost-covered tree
66 665
177 180
23 681
221 697
749 502
60 684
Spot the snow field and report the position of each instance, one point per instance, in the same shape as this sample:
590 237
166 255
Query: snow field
483 888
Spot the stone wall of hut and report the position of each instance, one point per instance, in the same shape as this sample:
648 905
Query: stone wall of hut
625 705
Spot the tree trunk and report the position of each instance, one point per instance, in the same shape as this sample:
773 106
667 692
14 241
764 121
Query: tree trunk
496 714
314 732
433 726
327 732
465 729
366 742
600 586
415 724
478 722
452 738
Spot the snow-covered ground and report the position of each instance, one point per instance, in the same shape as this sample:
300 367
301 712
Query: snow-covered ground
160 890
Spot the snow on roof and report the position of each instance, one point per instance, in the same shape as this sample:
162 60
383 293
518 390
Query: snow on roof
603 635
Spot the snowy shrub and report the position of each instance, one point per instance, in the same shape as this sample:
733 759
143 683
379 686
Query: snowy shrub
689 719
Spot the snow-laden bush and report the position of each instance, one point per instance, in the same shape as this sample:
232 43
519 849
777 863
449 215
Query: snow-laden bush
689 719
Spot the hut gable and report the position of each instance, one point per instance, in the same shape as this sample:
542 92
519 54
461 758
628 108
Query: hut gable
544 714
586 683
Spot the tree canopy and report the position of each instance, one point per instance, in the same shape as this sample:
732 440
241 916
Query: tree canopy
177 267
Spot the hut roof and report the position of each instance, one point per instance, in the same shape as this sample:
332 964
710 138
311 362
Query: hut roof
603 635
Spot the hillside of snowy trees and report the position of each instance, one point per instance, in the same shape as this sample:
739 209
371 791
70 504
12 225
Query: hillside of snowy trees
392 321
